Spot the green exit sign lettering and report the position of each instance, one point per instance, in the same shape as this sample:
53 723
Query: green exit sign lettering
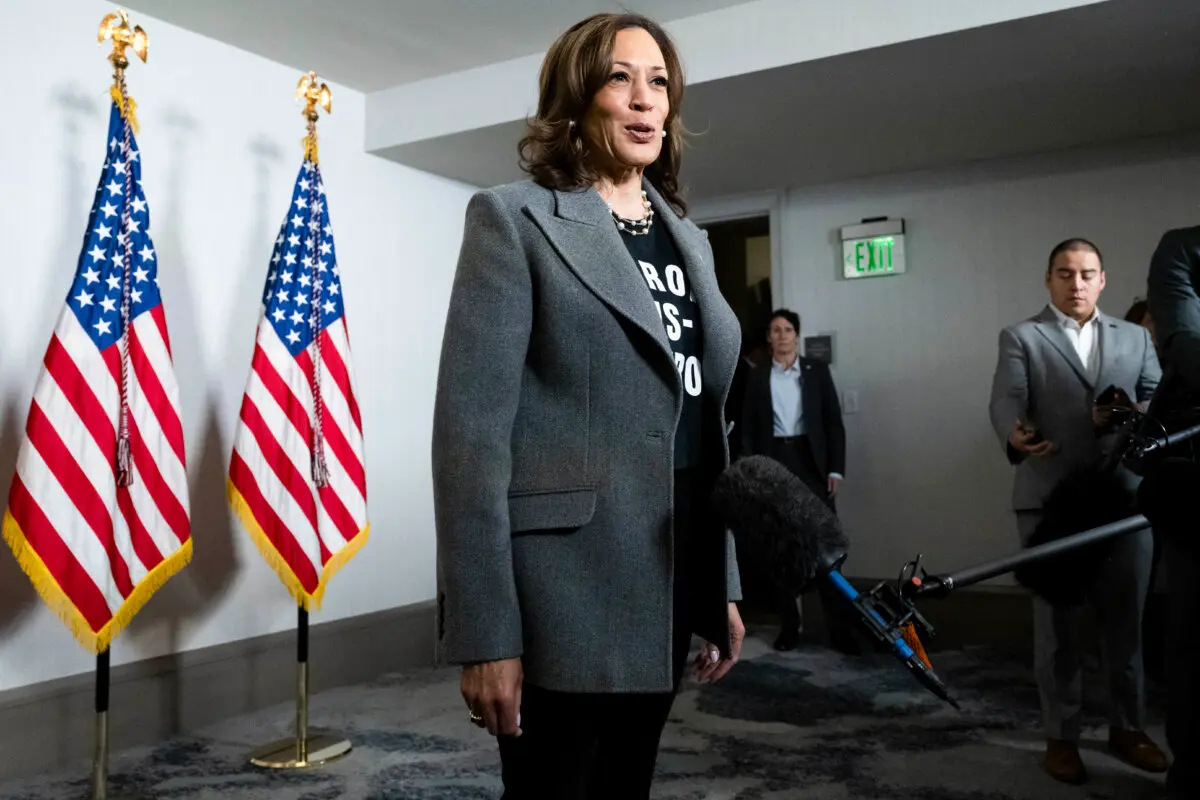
873 249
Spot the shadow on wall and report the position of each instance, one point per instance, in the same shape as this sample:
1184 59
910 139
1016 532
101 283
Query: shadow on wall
198 589
73 106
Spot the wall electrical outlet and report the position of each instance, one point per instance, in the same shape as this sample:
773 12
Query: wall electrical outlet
850 401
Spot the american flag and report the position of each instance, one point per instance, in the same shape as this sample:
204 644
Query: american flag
297 476
97 532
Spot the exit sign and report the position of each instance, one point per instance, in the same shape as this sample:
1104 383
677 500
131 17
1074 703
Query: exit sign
873 249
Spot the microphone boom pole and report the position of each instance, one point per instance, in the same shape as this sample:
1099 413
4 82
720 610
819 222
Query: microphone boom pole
1134 449
942 585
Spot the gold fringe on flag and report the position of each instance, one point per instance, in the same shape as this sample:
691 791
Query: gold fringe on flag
95 642
309 602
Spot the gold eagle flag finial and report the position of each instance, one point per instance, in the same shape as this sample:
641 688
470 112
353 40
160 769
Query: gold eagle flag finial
314 92
115 27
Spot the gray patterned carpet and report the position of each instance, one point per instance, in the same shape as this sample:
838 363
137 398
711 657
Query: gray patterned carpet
810 724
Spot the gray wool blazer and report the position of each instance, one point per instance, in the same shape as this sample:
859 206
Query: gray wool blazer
553 446
1039 378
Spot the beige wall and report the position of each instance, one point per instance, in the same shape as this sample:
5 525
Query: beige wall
758 259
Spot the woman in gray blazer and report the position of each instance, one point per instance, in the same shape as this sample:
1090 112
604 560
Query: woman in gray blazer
579 427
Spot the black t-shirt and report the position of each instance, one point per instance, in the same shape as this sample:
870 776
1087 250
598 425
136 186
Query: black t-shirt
660 265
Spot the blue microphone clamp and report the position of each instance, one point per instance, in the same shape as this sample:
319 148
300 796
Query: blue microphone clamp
884 611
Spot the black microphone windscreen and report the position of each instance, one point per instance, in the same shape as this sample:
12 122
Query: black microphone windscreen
780 519
1083 500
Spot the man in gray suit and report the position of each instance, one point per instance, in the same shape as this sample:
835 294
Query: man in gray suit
1051 370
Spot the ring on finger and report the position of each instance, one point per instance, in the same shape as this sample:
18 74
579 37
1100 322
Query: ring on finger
474 717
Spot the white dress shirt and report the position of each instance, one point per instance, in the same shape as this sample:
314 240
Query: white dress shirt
1083 337
787 401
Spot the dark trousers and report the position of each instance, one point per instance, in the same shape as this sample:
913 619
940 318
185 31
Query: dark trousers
1183 670
796 454
600 746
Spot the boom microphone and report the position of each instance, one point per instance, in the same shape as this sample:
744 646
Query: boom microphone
775 513
778 516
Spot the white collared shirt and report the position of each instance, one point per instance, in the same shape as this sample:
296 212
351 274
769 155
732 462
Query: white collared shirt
787 399
787 402
1084 338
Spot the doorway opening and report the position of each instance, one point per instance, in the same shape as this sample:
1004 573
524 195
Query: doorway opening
742 257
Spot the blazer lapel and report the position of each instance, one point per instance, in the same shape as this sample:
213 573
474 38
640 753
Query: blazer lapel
1111 352
721 330
583 234
1047 325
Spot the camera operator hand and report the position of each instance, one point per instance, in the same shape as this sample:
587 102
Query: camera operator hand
1026 440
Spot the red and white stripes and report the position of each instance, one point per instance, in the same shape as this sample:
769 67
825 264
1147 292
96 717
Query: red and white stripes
96 550
306 532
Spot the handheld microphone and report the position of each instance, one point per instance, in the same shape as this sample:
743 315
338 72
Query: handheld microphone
775 513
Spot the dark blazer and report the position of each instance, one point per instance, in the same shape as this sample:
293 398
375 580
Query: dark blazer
822 415
1175 307
553 446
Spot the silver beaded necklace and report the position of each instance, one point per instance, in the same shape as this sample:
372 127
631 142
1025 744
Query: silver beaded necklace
635 227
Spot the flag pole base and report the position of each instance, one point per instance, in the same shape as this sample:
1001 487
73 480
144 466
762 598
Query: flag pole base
310 747
322 747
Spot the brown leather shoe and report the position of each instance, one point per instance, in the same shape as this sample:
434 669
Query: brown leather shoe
1062 762
1137 749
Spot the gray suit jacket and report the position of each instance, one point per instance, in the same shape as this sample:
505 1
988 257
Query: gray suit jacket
1040 379
553 446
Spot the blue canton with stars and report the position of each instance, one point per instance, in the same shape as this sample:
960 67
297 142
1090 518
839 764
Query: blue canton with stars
95 295
303 266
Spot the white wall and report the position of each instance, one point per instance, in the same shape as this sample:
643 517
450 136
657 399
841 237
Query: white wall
738 39
925 472
220 144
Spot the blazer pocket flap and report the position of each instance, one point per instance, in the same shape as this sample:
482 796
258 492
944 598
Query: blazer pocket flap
536 511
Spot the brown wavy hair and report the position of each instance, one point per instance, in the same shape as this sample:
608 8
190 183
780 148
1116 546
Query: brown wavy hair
575 68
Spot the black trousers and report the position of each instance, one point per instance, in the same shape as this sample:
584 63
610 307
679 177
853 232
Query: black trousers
1183 669
600 746
796 454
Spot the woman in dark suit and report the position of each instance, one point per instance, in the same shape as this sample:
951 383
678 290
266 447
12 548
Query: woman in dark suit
579 428
792 414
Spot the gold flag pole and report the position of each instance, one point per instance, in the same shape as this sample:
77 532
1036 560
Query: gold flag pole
309 747
115 27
